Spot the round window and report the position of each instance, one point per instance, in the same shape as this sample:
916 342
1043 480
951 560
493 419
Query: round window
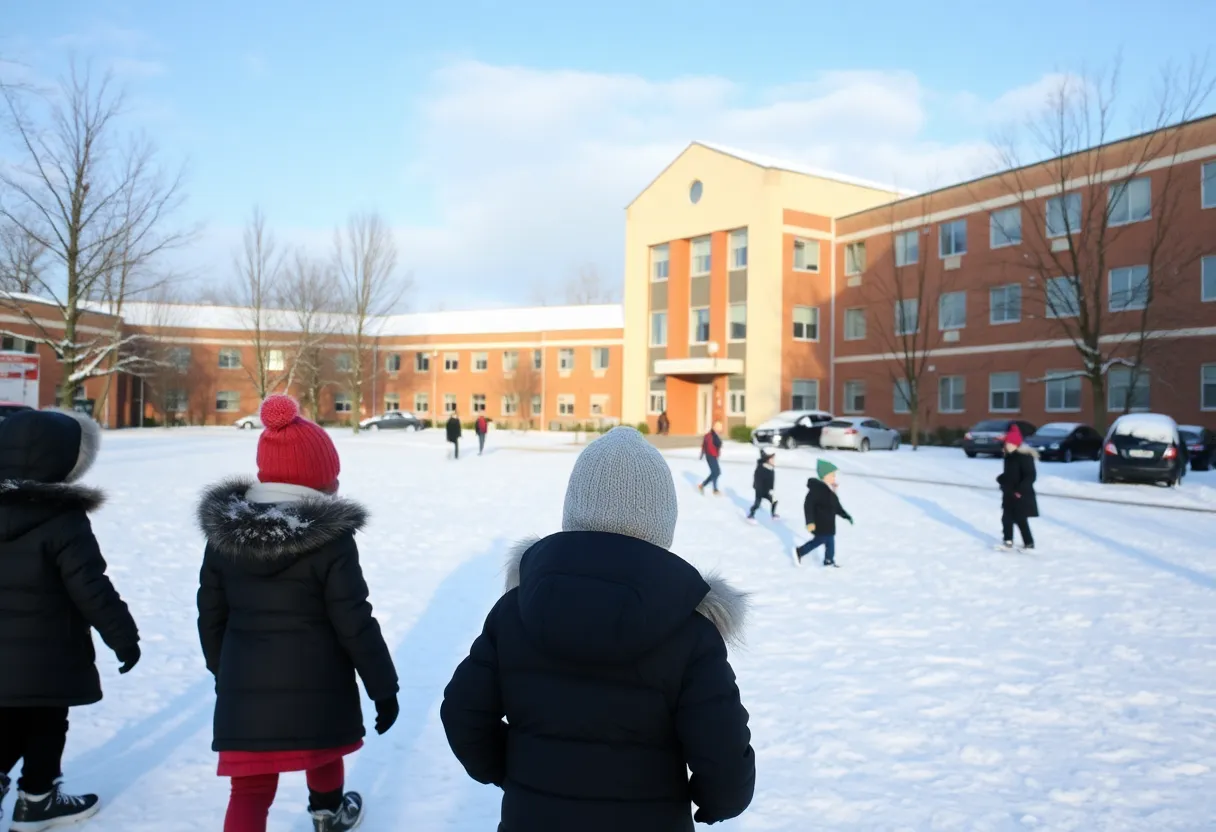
694 192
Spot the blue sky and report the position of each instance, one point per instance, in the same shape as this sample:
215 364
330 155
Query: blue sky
502 140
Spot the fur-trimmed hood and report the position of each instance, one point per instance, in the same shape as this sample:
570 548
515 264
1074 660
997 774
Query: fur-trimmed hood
1029 450
48 446
275 535
56 495
725 606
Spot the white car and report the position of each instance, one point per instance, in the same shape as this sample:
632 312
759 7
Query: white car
249 423
858 433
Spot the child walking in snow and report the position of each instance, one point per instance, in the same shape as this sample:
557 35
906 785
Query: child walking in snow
53 591
763 482
711 449
285 625
1018 500
601 676
821 509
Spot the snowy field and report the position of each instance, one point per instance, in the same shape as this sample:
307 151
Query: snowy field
931 683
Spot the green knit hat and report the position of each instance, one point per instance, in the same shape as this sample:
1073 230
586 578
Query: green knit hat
823 468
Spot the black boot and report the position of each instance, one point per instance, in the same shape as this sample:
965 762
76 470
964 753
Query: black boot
348 816
34 813
773 510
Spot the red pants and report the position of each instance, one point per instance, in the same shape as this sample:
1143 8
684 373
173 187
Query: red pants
249 804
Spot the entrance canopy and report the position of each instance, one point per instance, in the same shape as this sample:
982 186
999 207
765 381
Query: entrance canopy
698 367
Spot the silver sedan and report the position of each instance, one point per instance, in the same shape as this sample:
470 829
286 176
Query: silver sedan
859 433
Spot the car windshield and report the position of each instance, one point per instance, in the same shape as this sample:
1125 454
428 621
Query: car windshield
992 426
1188 436
1056 429
840 423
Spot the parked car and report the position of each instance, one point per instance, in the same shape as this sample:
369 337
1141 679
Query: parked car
792 428
1201 444
858 433
249 423
393 420
1066 441
988 437
1143 447
9 408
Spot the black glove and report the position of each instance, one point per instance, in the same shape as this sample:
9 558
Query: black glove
386 714
129 656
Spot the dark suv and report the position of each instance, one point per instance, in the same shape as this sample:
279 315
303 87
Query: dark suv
988 437
1201 443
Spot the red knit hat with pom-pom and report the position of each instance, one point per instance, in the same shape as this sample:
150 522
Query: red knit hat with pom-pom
293 450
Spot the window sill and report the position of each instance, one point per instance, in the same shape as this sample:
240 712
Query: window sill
994 247
993 410
1003 323
1061 410
801 270
806 340
658 346
1126 309
599 373
1113 224
698 274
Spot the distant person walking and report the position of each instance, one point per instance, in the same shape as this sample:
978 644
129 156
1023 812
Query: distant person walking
1018 500
763 481
482 427
711 449
821 508
664 423
454 431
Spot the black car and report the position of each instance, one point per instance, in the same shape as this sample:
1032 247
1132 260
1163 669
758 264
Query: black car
1201 444
393 420
1066 441
988 437
1143 447
792 428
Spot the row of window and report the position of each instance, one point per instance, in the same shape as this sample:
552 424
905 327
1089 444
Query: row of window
230 359
700 256
736 400
698 325
1128 202
229 401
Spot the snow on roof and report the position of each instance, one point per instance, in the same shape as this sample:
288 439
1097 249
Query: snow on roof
466 322
797 167
1152 427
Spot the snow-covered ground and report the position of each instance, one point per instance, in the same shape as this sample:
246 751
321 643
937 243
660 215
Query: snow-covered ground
930 684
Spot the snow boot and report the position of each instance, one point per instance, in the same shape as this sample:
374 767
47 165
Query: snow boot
830 563
34 813
1007 545
797 557
701 488
348 816
773 511
717 493
1026 547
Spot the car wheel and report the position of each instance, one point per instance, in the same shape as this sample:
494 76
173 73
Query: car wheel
787 442
374 428
865 445
247 426
1068 454
895 444
970 454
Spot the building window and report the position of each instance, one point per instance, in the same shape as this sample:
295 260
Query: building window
658 401
1063 215
907 247
276 361
422 362
658 329
1063 300
538 359
738 249
1005 227
854 324
481 362
902 400
227 401
449 403
392 362
1209 185
854 397
700 326
1063 391
804 394
1130 201
1207 277
855 258
599 359
565 360
176 401
599 405
951 394
510 361
952 238
701 259
952 310
1128 288
342 362
1005 304
510 404
1207 387
537 404
738 322
660 257
806 323
565 404
478 402
392 402
1122 393
230 359
1004 392
179 359
342 403
736 403
907 316
422 403
806 255
451 362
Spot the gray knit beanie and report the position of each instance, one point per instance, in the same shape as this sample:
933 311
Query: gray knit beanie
621 483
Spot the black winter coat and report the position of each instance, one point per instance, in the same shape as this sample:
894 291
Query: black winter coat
285 624
822 507
1018 479
607 659
454 429
53 584
764 479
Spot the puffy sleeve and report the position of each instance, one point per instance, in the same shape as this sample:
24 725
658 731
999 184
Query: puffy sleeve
472 710
83 571
212 612
351 615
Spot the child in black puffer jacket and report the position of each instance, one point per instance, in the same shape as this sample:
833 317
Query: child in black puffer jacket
763 482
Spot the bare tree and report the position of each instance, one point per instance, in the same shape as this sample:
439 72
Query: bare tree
905 298
1104 196
586 287
310 298
96 202
259 270
21 260
365 264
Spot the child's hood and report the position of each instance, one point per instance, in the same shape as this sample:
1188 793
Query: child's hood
267 538
42 454
603 597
